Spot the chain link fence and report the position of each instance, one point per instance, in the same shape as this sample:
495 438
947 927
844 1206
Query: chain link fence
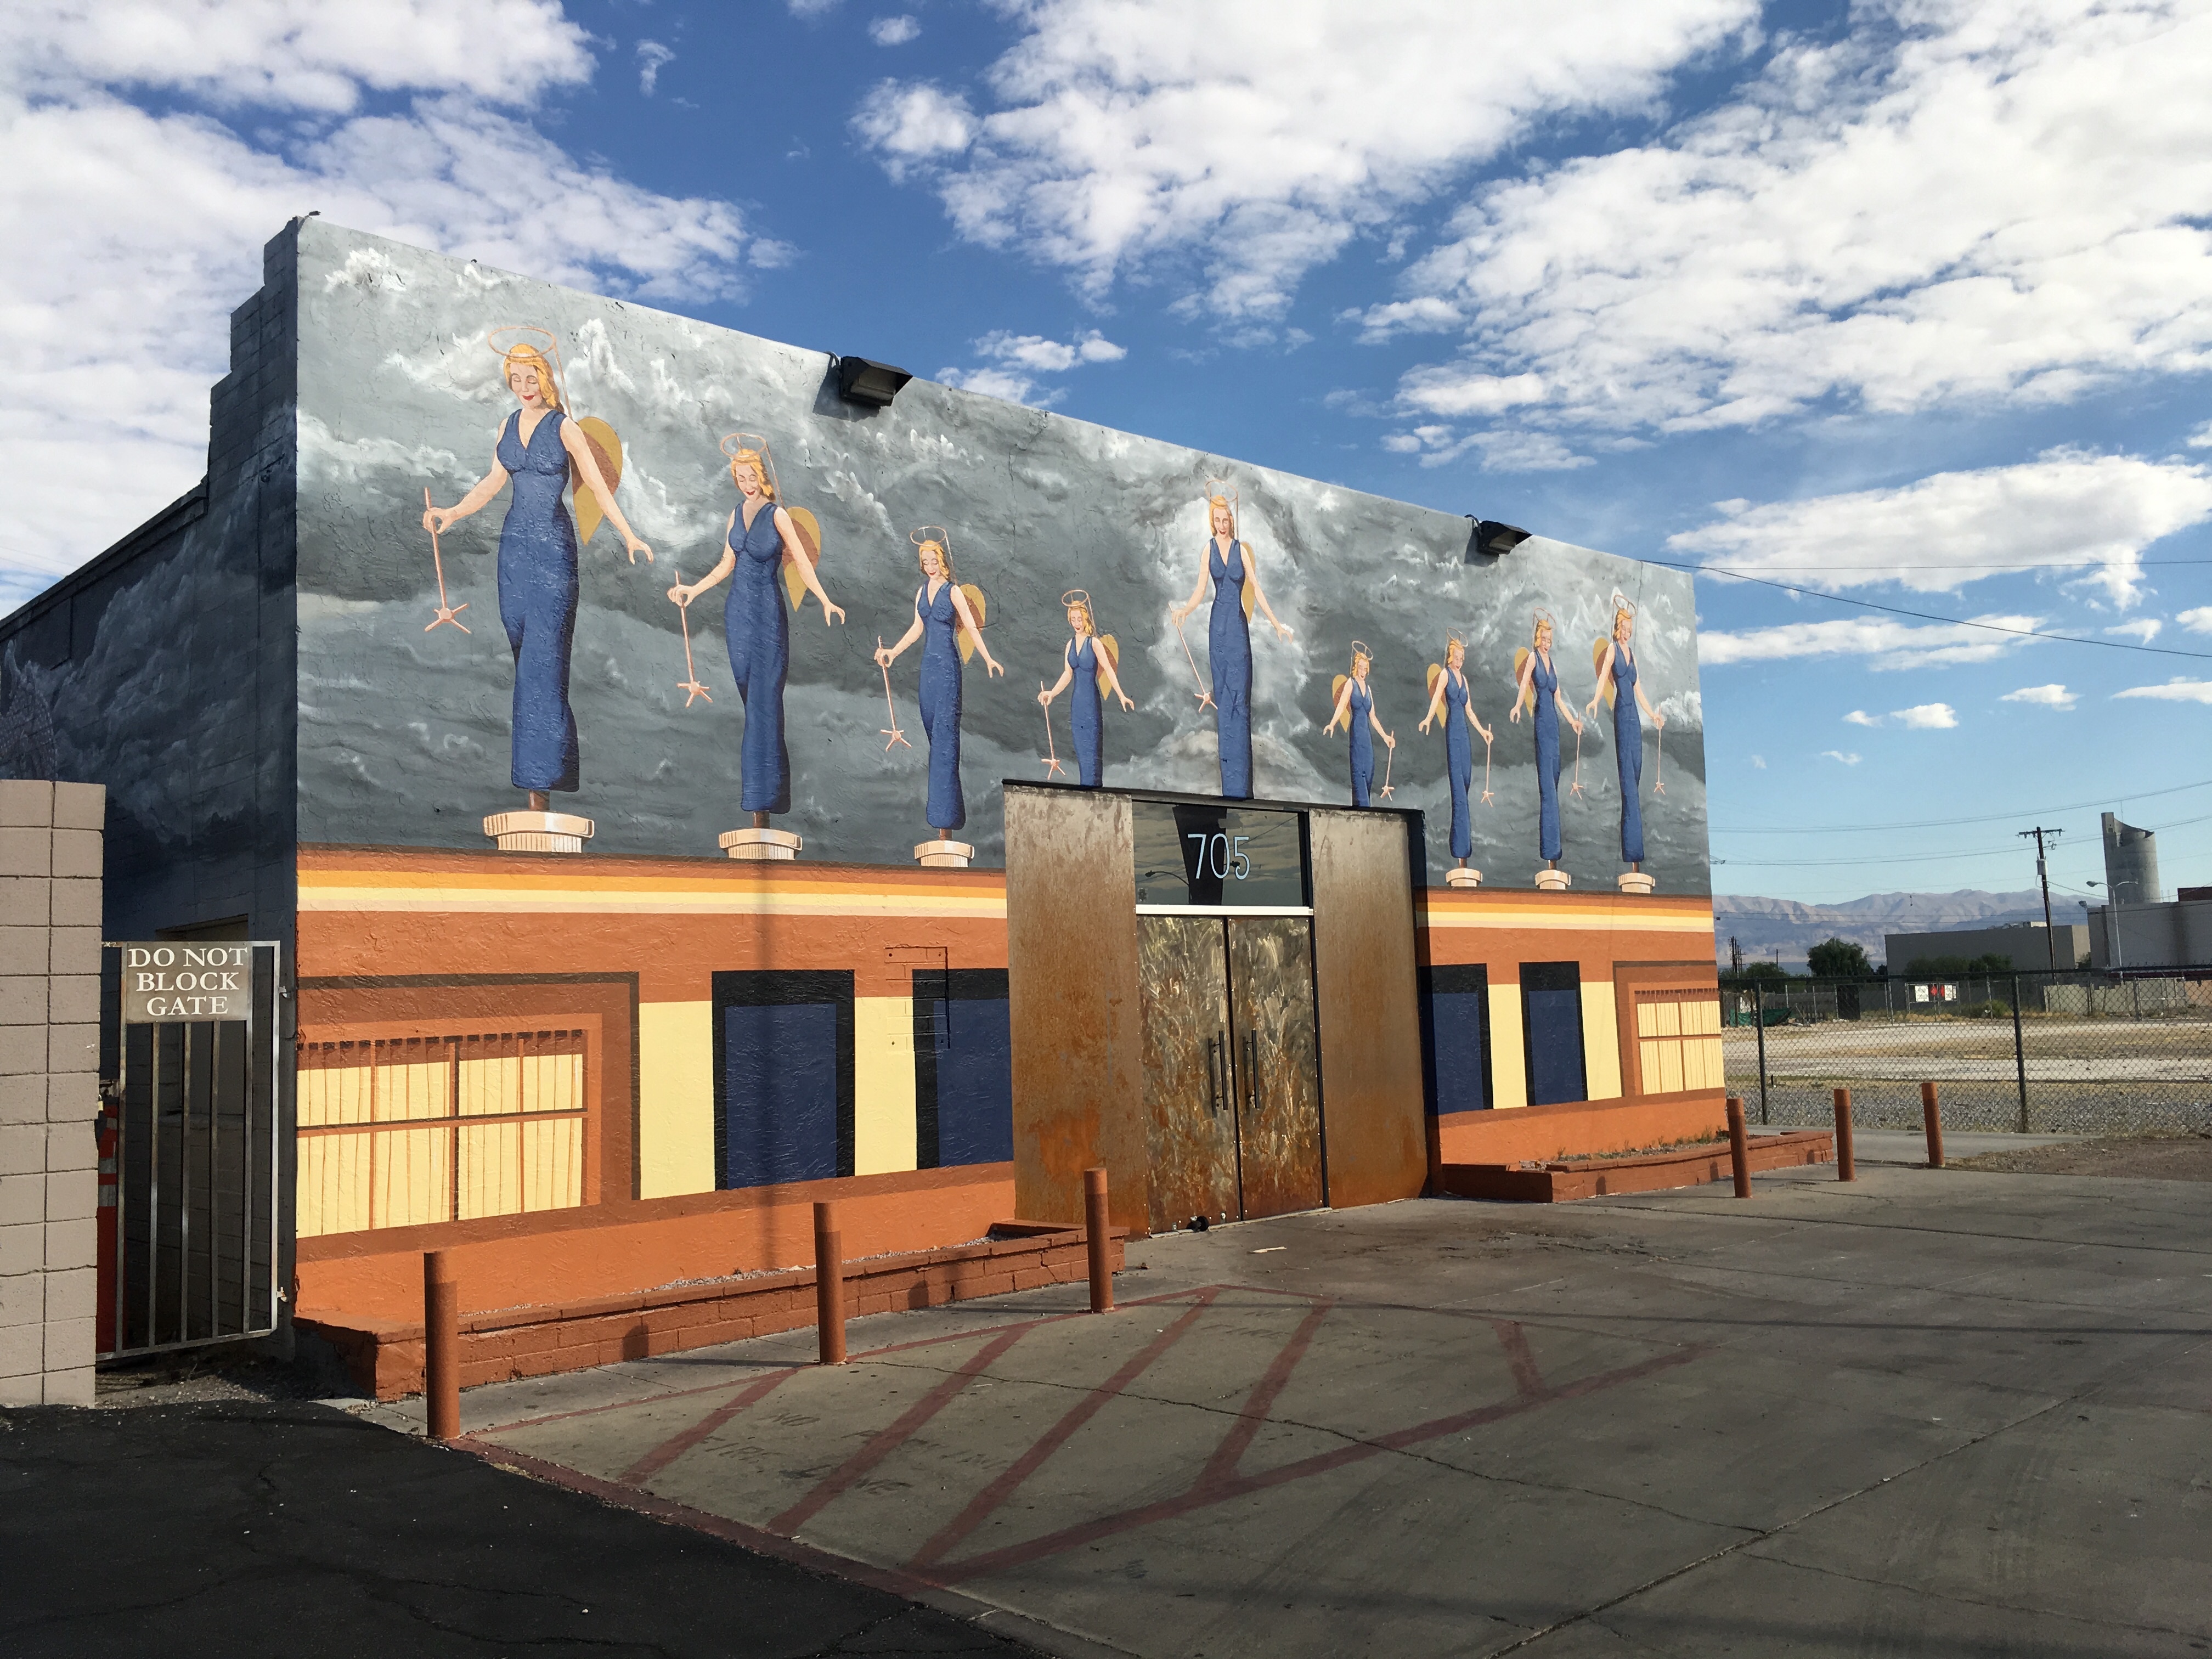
2057 1052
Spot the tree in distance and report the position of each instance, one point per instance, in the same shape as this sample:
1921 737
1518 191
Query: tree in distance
1836 959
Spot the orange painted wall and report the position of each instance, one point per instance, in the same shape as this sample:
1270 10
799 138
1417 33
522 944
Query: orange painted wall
570 1255
1579 1128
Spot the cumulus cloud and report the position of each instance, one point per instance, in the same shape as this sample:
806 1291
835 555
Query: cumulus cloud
1759 763
1839 755
893 31
2046 697
913 124
2088 516
1887 644
1949 200
2197 619
149 223
651 58
2142 630
1015 360
1927 717
2176 690
1251 142
1860 717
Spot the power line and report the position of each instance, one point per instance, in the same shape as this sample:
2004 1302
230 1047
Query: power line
1930 615
1985 817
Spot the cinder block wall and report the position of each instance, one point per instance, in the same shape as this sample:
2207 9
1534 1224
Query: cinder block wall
50 848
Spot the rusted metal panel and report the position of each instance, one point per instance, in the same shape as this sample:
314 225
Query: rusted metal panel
1278 1064
1190 1077
1363 868
1072 1004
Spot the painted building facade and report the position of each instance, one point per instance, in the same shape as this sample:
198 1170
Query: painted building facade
615 722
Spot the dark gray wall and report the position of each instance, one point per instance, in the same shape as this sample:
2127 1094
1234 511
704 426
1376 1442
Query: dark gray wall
166 668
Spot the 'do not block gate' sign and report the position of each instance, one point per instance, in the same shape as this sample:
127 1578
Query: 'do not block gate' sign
165 982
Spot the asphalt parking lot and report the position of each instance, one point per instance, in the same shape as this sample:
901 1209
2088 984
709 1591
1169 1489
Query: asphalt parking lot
1930 1412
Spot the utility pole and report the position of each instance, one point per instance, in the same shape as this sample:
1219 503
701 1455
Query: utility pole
1735 955
2043 875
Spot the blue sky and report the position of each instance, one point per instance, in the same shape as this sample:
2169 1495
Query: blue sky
1908 304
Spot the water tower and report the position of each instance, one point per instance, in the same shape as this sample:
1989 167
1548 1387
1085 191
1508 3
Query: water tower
2130 863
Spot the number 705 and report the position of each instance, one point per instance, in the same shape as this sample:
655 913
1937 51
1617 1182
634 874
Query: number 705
1223 853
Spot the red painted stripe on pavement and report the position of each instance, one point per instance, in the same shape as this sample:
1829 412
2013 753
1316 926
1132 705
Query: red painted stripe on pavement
1199 1497
1515 1340
981 1506
891 1439
1261 1401
673 1447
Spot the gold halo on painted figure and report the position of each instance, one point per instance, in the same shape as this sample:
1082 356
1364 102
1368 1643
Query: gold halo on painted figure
742 447
527 343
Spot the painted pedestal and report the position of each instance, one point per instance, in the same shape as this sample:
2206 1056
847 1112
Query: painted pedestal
1635 881
1553 881
538 832
759 844
944 854
1463 877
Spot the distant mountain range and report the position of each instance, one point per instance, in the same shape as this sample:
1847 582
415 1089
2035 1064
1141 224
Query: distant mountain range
1762 926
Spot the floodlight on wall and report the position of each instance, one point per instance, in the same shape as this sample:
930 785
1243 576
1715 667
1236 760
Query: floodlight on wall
1498 539
862 381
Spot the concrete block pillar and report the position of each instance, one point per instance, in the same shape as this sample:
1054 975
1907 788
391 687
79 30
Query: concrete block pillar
51 846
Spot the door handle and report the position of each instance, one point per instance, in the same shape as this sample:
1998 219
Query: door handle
1252 1071
1216 1061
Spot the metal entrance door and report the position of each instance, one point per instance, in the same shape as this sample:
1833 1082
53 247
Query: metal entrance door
188 1223
1182 964
1232 1067
1271 998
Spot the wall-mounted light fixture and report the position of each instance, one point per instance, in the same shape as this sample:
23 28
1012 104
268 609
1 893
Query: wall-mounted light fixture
862 381
1492 538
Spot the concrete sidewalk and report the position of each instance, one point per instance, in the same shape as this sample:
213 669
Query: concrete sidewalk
1927 1412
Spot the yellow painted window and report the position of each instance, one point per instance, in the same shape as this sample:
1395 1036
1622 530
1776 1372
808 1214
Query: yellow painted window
401 1131
1679 1039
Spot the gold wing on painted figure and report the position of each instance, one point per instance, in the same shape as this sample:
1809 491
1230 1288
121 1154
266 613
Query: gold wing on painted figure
965 639
1520 662
1436 673
607 452
1335 691
1110 648
809 540
1597 667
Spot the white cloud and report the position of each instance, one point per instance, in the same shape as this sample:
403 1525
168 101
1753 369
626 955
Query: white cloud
1019 358
2089 514
2201 437
651 58
2174 691
1860 717
296 54
1952 200
149 224
893 31
811 9
1890 644
1838 755
2046 697
909 126
1013 387
2142 630
2197 619
1758 762
1256 137
1927 717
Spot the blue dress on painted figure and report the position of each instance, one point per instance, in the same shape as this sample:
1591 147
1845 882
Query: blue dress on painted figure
1628 751
940 704
1229 655
1459 763
759 636
537 593
1363 744
1544 682
1084 710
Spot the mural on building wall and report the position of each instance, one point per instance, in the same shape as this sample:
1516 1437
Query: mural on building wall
847 734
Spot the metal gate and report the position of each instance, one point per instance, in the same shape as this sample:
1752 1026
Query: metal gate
189 1164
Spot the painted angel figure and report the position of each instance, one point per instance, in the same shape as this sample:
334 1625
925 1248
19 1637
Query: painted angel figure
772 550
1234 571
1354 704
1449 702
541 450
1621 683
948 619
1536 687
1089 664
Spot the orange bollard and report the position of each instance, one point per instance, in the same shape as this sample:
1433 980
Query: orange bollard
441 1346
1098 1239
1739 1146
829 1285
1933 1118
1846 1168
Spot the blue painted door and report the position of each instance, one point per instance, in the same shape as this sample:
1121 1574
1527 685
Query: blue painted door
1552 1017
